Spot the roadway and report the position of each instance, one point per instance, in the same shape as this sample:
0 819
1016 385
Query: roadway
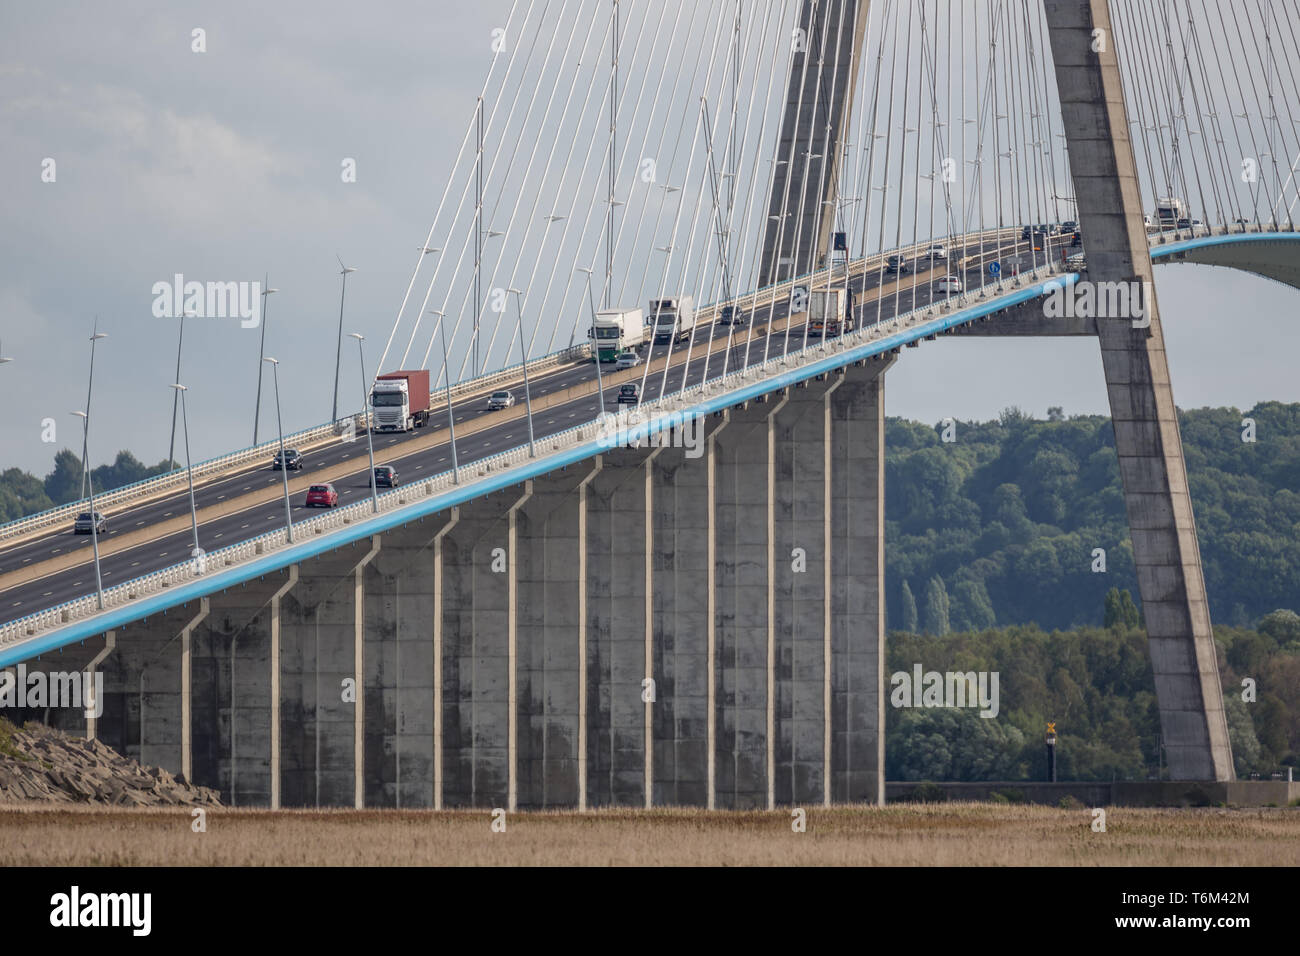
240 521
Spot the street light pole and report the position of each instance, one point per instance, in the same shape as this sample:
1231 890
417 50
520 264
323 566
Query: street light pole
451 414
90 384
595 347
94 525
197 553
338 352
365 409
180 341
261 353
284 464
528 399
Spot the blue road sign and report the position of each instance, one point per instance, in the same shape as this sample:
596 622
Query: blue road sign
995 268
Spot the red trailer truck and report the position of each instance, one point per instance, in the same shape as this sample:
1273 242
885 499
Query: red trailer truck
400 401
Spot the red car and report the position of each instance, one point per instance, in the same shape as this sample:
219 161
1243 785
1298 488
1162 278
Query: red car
322 496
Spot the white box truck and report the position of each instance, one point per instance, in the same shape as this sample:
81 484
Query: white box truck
830 312
618 330
672 319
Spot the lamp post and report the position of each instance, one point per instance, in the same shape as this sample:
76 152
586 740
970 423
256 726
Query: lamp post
261 353
94 524
365 408
595 346
197 553
528 398
90 384
180 341
338 352
284 464
451 414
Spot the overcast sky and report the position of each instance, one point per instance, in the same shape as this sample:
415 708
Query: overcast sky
226 165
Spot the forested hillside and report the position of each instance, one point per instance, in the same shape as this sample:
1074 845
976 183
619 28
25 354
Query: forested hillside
1000 526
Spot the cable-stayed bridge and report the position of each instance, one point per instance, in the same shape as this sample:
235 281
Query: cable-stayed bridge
591 597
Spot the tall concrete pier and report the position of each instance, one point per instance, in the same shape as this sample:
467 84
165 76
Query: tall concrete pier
1150 449
809 157
696 622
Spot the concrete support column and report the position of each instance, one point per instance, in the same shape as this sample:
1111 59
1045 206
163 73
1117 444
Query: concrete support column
582 631
187 693
512 652
770 735
857 594
359 673
438 613
712 649
742 562
648 728
1145 419
276 598
94 703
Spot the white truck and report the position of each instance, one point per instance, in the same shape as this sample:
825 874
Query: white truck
830 311
618 330
672 319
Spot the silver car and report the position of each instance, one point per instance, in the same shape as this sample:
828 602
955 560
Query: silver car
83 524
500 400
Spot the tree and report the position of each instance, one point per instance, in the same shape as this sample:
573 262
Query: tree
971 608
910 623
63 484
1121 612
1056 414
936 618
1282 625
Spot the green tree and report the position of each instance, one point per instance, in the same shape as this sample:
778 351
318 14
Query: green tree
63 484
936 618
910 622
1282 625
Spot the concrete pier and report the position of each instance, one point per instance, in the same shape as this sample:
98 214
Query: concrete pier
1147 439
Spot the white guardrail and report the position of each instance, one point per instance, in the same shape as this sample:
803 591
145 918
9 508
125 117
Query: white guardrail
272 541
309 529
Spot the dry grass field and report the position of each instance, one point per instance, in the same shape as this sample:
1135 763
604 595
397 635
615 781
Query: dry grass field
902 834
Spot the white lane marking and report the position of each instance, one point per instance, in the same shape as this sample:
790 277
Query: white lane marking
218 535
56 551
134 563
167 515
242 526
163 555
25 560
47 594
138 523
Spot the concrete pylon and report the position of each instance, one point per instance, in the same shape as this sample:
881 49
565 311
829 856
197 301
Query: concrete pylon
818 100
1147 439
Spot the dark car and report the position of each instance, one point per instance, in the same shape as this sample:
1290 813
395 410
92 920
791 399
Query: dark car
897 264
289 458
385 476
627 394
1078 238
321 496
731 315
84 525
1069 226
1184 223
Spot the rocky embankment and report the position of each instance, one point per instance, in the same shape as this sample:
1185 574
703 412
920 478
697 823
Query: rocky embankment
38 764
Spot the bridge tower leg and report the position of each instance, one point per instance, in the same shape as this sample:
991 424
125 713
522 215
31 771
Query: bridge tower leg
1147 439
818 102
